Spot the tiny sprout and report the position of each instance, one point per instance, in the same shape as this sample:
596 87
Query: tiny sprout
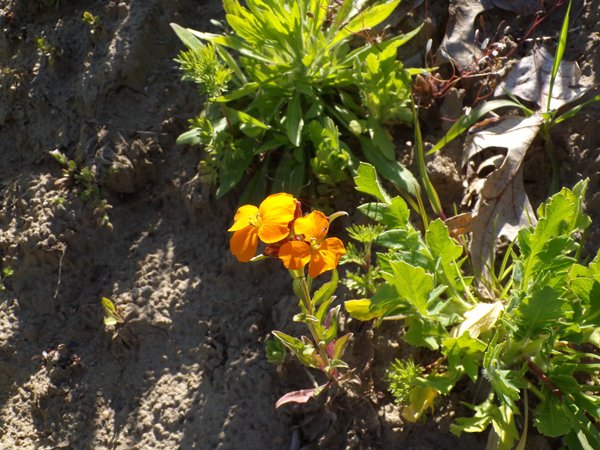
275 351
485 43
428 46
111 313
91 20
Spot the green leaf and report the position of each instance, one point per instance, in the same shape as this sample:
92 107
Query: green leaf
187 37
366 19
539 312
550 417
575 110
423 333
340 346
366 181
190 137
248 88
361 309
412 283
232 172
393 215
441 244
294 121
558 56
302 351
466 121
290 173
326 291
381 139
394 171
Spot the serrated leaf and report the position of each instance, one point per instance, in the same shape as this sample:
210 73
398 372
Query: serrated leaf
412 283
366 181
393 215
550 418
537 313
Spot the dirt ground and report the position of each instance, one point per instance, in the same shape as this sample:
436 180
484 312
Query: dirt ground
187 370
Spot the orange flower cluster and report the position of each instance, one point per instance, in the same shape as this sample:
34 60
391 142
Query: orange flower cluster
295 240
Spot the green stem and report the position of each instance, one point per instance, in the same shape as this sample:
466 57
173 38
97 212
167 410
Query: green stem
306 300
551 150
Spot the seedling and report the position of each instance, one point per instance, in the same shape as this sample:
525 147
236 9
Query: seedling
91 21
7 272
46 49
112 317
83 180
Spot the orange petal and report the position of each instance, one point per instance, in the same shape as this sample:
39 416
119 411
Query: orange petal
326 257
243 216
313 225
270 233
294 254
278 208
243 243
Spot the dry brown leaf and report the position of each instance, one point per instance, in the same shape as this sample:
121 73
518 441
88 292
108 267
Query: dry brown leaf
529 80
459 224
503 206
459 42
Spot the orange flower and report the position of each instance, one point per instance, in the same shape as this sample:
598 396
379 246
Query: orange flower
319 253
269 223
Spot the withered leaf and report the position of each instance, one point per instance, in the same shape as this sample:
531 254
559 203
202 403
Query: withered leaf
503 206
529 80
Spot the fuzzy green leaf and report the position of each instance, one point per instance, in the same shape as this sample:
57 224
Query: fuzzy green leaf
413 284
366 181
539 312
550 418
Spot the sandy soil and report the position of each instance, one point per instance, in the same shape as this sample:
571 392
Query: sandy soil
187 370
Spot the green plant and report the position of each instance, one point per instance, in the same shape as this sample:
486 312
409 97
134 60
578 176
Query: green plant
91 21
7 272
45 48
531 343
294 95
300 243
401 377
84 181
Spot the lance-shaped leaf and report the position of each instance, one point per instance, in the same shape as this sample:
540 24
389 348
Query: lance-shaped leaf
503 206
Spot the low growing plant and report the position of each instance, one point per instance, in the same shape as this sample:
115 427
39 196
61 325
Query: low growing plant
7 272
84 181
532 346
287 94
301 244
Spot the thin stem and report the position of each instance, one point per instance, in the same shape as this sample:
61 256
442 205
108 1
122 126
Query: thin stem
306 300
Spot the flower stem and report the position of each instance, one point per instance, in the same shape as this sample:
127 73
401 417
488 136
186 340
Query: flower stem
306 300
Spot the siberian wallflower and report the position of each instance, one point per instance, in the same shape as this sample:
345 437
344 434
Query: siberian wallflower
269 223
311 247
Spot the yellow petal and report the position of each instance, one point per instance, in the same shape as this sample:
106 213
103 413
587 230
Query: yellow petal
294 254
243 243
314 225
243 216
326 257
